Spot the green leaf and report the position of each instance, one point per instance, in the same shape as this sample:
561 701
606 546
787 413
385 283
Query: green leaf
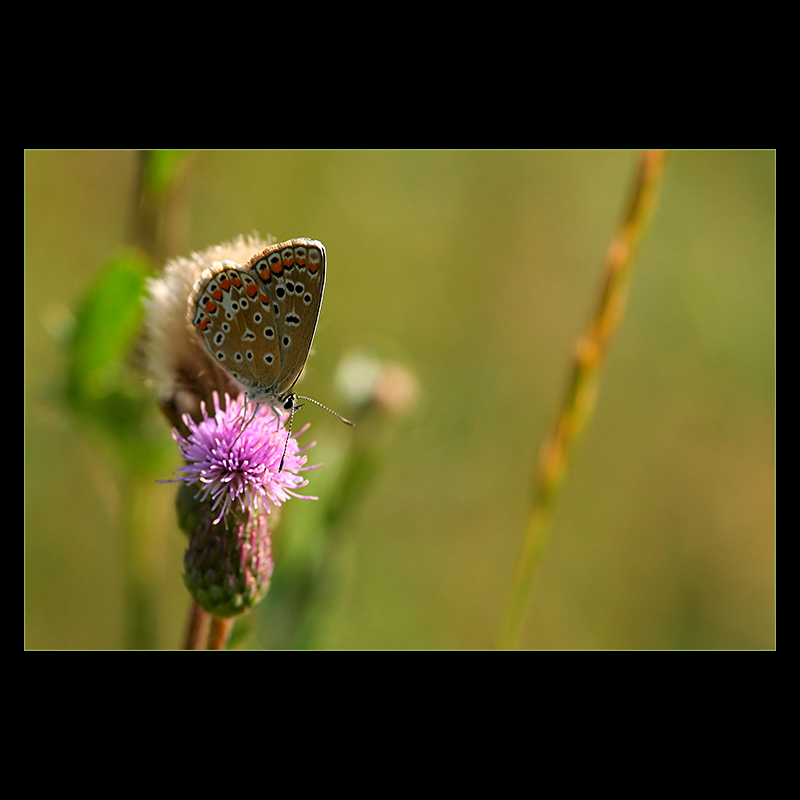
106 324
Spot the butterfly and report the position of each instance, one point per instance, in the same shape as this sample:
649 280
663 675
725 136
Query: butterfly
258 320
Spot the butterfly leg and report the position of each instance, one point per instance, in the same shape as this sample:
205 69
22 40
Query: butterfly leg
252 417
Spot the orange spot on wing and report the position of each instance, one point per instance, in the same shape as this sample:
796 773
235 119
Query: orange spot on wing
225 284
211 306
236 282
203 324
216 294
276 268
251 289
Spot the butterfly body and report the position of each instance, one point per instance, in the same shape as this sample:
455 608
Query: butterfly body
258 320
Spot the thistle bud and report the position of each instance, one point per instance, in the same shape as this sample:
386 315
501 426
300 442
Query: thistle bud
228 565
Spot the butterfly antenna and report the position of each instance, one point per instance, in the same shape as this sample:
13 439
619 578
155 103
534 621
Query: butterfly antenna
329 410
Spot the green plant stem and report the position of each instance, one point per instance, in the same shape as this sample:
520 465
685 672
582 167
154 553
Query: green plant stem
141 566
158 226
160 216
582 394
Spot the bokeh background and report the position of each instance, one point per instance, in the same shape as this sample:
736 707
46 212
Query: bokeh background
476 270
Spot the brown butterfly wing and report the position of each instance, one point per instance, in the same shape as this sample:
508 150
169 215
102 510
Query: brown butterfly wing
292 275
236 321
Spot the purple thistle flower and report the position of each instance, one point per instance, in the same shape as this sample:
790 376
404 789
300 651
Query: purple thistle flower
240 468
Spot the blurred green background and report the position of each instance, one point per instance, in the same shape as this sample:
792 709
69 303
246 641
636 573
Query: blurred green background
476 270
